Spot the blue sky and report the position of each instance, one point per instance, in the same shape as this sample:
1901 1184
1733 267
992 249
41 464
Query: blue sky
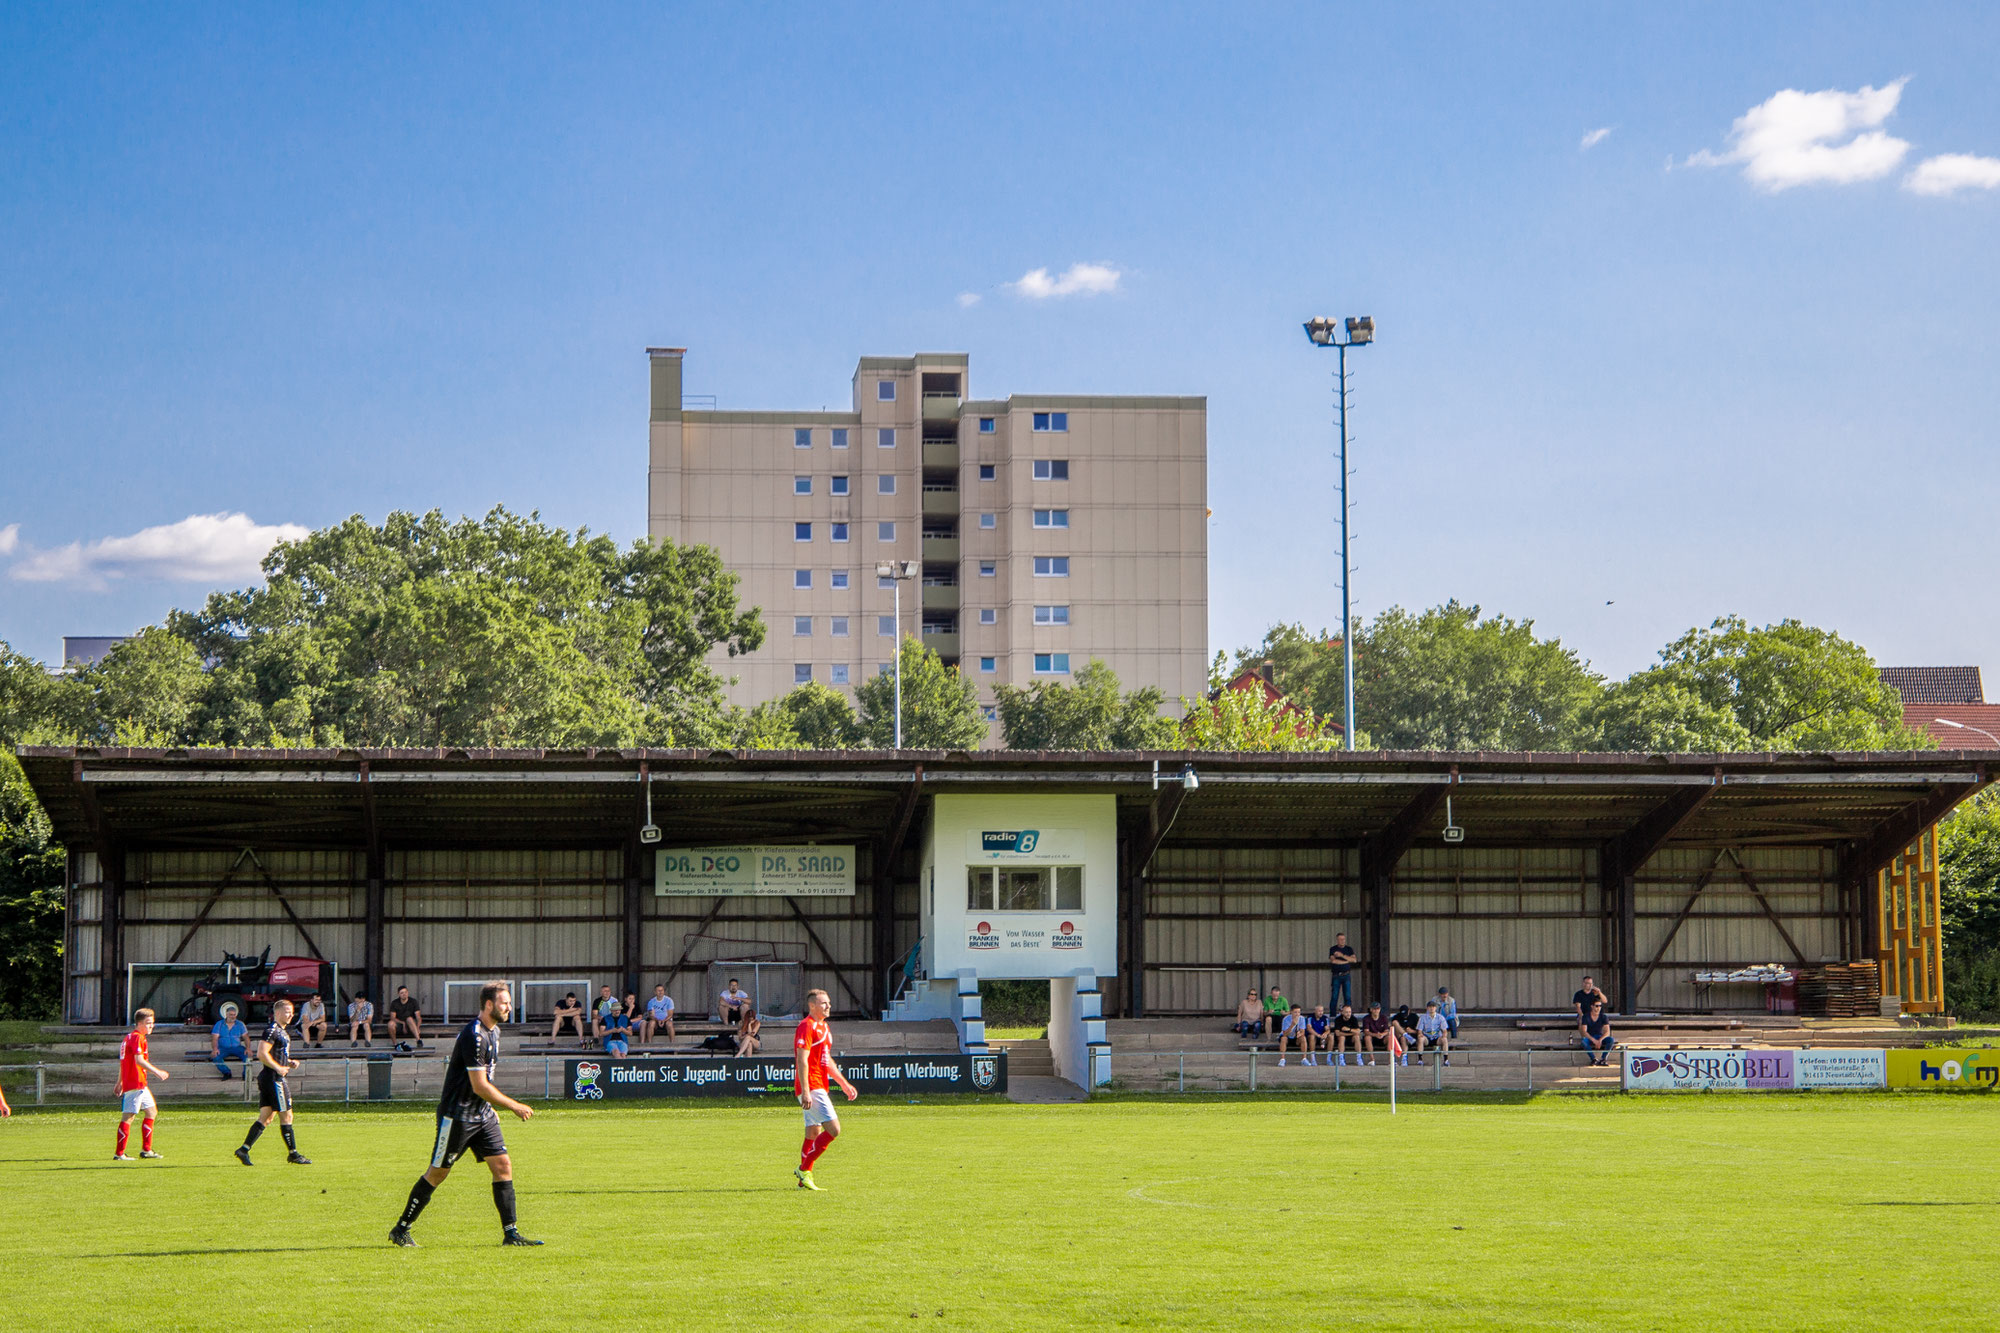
298 266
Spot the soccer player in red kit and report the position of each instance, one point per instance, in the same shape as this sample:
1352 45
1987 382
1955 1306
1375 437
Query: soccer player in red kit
812 1051
134 1098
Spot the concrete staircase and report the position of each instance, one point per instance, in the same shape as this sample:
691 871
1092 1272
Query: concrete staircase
1027 1058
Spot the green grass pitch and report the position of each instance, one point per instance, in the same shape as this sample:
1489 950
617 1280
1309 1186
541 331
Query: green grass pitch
1291 1211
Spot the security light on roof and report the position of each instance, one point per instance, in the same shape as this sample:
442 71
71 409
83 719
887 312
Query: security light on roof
1361 329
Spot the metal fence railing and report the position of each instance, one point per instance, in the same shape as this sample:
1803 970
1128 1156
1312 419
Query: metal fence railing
1256 1071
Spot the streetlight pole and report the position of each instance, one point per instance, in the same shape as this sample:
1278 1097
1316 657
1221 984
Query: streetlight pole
1325 333
1961 726
897 571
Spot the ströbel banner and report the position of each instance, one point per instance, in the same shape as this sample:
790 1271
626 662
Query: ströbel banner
594 1079
1703 1071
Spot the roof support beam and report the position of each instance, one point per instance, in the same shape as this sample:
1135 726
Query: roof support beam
374 939
1874 853
889 851
1798 955
1618 863
1380 851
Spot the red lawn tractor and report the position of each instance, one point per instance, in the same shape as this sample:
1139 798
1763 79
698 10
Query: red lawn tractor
251 984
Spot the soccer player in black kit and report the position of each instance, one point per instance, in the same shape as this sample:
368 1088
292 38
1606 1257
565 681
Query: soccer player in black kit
274 1097
466 1118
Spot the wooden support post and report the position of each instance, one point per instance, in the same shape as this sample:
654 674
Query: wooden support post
1380 851
1135 934
110 947
1618 864
632 936
888 851
374 935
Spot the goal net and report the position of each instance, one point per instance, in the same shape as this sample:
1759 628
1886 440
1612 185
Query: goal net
537 999
777 987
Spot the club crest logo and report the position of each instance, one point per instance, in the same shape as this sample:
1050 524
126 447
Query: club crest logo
985 1071
586 1080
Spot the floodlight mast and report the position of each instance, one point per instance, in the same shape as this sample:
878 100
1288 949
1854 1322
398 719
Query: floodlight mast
896 571
1962 726
1326 333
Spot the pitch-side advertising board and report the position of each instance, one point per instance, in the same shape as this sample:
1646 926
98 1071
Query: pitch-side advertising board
595 1079
754 872
1753 1071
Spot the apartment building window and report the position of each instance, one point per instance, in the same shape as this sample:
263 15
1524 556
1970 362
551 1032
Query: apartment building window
1051 421
986 664
986 568
885 626
1052 615
837 485
802 532
837 627
988 616
986 472
840 437
986 520
802 485
839 673
884 581
838 578
885 484
885 391
990 713
986 425
802 578
885 437
802 673
1052 664
1052 566
1052 518
802 627
839 531
1051 469
802 438
885 532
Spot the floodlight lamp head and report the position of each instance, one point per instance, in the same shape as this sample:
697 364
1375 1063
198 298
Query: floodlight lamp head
1189 782
1320 330
1361 329
1949 723
649 834
885 569
908 569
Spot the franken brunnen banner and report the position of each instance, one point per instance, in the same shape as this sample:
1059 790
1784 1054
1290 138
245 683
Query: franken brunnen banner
594 1079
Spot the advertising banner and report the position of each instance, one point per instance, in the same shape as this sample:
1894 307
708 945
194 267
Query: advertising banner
1837 1069
1944 1070
754 872
1703 1071
596 1079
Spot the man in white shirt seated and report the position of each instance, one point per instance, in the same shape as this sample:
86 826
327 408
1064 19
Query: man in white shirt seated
659 1015
734 1003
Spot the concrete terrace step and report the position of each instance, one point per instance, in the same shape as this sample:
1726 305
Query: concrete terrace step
1027 1058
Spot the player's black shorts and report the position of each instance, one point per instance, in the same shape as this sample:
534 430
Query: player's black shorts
455 1135
272 1092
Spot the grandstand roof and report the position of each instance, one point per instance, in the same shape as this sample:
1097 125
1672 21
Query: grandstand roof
549 798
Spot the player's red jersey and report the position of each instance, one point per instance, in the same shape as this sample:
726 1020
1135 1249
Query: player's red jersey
132 1074
816 1040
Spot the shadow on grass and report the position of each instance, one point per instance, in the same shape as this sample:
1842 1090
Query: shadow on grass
727 1189
1930 1203
108 1165
188 1254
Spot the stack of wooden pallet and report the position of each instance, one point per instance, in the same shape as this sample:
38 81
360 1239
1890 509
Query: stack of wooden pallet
1840 990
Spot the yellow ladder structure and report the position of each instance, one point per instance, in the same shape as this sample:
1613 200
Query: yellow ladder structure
1912 951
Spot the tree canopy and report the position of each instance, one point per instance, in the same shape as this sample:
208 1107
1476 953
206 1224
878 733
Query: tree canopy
1092 712
940 706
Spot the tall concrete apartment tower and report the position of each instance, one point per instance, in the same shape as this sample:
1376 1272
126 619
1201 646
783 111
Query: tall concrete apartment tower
1051 529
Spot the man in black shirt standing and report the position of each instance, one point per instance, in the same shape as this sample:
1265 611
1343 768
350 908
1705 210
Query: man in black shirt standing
1340 960
466 1118
274 1096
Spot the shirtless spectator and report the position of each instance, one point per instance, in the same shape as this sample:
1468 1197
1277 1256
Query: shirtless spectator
569 1010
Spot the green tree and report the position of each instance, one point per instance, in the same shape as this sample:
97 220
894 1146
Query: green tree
37 708
31 902
491 632
1788 686
1244 720
1969 892
940 706
821 717
1090 713
147 690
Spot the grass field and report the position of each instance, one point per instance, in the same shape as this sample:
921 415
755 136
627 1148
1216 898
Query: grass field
1753 1212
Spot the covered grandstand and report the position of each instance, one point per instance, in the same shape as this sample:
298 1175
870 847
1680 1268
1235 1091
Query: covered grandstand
420 867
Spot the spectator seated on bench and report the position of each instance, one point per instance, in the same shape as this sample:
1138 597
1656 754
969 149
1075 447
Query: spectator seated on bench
607 1004
360 1021
225 1042
659 1014
732 1004
1346 1028
618 1031
1375 1033
1276 1006
1320 1030
1597 1042
746 1032
406 1017
1296 1032
1432 1032
1448 1010
1406 1029
312 1021
1249 1015
569 1013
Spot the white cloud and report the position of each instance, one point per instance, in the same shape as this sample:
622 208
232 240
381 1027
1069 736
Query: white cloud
10 537
200 548
1594 138
1823 138
1947 173
1076 280
966 300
